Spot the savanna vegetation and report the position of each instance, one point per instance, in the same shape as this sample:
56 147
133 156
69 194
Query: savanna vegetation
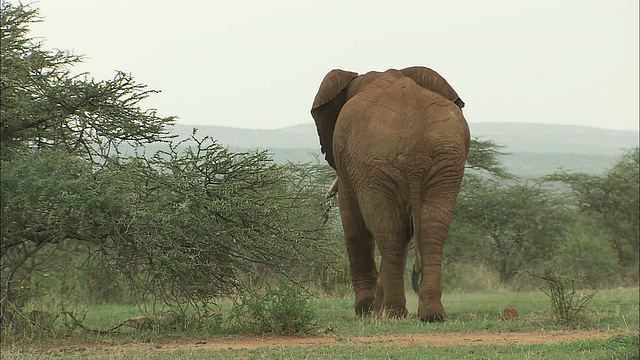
200 240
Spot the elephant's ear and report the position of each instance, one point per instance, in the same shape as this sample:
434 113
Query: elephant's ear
431 80
327 105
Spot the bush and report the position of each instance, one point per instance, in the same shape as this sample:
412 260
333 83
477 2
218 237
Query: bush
284 310
566 302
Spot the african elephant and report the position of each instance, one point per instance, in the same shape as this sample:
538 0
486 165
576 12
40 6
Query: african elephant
398 141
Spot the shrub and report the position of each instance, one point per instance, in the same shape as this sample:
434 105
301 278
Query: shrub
284 310
567 303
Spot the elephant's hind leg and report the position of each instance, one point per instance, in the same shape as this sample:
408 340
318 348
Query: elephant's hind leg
388 224
390 297
392 306
360 247
434 226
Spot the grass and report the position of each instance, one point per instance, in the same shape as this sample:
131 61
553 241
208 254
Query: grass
610 310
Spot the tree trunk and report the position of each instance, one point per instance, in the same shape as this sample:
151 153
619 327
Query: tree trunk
618 246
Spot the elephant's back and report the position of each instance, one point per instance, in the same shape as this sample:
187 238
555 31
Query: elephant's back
400 120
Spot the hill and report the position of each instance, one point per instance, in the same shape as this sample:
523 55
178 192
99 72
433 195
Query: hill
534 149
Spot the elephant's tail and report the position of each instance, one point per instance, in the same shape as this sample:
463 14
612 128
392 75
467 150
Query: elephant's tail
416 275
414 189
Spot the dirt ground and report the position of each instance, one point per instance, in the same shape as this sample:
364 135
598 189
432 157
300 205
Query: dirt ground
396 340
429 339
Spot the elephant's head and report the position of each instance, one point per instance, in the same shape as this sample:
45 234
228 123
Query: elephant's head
332 95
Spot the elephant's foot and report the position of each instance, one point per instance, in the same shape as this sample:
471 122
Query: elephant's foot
364 306
432 318
431 312
391 311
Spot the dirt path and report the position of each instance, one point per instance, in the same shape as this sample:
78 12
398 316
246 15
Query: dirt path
396 340
429 339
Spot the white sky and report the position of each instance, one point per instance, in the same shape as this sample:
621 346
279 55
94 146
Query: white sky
258 64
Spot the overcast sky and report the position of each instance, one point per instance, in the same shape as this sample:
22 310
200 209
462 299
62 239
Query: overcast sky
258 64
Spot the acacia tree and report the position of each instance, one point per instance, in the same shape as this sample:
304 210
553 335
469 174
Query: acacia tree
484 160
179 225
45 105
520 224
57 131
612 200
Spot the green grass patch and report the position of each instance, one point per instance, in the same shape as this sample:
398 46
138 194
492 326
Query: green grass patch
610 309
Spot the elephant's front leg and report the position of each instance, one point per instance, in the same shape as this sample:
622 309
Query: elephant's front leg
360 247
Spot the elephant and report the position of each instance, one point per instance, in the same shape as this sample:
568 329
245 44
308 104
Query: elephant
398 141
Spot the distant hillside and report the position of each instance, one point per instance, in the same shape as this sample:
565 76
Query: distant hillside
535 149
543 138
295 137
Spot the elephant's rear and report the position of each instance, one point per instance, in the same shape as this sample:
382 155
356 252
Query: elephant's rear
403 129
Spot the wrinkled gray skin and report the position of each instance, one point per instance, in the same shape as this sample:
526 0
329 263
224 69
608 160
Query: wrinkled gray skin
398 141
